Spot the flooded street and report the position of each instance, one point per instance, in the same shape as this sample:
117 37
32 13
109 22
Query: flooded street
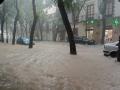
49 66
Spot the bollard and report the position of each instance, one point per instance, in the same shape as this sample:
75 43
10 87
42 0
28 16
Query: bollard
118 53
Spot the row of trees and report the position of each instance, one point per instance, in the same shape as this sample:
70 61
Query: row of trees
21 17
17 14
66 22
75 7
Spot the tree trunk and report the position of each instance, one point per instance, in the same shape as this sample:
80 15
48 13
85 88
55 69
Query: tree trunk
2 30
6 33
14 30
26 27
67 26
34 24
15 23
21 29
55 34
62 35
41 31
2 22
41 35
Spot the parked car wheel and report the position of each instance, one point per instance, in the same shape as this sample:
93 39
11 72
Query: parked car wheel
113 54
106 55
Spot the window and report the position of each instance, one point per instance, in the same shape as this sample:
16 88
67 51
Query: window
90 11
109 7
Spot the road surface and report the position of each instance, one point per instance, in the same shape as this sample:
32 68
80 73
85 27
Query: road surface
49 66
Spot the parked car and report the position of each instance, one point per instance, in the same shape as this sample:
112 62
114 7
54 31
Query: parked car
110 49
83 40
23 41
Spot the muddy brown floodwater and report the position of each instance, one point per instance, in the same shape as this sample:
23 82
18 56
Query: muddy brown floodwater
49 66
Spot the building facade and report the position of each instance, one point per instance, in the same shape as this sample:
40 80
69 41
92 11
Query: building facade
90 20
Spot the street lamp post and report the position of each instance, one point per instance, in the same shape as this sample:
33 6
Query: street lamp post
118 53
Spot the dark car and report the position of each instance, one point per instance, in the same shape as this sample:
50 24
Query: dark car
23 41
83 40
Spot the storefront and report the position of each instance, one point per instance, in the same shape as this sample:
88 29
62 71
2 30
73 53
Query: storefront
90 32
108 35
109 31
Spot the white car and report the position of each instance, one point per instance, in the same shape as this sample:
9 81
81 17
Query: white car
110 49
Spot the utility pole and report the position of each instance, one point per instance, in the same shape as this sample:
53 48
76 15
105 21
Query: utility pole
118 53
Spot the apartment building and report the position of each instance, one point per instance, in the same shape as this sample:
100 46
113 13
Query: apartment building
90 20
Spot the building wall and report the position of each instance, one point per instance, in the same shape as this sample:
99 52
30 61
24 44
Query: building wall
81 30
116 30
116 33
117 8
97 33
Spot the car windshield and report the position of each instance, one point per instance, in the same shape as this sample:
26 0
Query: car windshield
115 43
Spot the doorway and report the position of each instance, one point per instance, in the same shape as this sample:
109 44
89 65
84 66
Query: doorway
90 34
108 35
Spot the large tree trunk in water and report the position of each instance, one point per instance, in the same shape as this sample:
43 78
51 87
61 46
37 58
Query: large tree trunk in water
15 23
67 26
34 24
